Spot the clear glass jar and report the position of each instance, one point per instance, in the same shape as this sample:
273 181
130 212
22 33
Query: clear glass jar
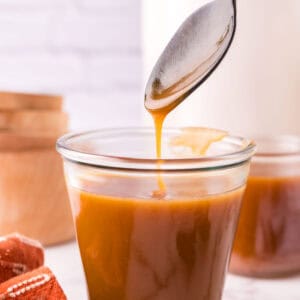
267 242
136 243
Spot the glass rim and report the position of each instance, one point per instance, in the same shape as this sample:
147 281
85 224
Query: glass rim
152 164
287 140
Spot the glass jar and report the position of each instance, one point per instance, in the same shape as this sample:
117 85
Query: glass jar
138 243
267 243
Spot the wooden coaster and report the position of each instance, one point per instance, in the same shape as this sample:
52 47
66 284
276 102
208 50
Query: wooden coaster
12 141
34 199
34 120
16 101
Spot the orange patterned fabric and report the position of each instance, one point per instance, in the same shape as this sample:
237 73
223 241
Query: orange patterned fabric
39 284
19 255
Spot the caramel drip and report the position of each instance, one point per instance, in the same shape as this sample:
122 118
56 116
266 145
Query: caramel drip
196 141
158 119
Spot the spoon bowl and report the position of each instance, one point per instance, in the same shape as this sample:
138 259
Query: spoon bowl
194 52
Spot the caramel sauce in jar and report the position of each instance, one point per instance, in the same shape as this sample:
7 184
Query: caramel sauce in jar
267 243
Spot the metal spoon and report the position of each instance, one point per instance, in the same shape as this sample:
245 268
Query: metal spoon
192 55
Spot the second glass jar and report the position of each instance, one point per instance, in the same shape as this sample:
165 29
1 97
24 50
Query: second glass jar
267 243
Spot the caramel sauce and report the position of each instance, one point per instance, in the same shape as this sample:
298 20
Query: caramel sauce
136 249
267 242
198 140
169 244
158 119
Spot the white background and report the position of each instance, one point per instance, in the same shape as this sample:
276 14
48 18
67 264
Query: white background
87 50
91 52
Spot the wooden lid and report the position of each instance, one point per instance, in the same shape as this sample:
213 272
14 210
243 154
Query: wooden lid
12 141
16 101
34 120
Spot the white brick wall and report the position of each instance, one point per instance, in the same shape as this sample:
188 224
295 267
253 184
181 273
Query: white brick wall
88 50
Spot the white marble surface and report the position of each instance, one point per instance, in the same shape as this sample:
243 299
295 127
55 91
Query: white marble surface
65 262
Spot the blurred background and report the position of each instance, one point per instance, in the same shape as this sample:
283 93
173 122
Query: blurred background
98 54
87 50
